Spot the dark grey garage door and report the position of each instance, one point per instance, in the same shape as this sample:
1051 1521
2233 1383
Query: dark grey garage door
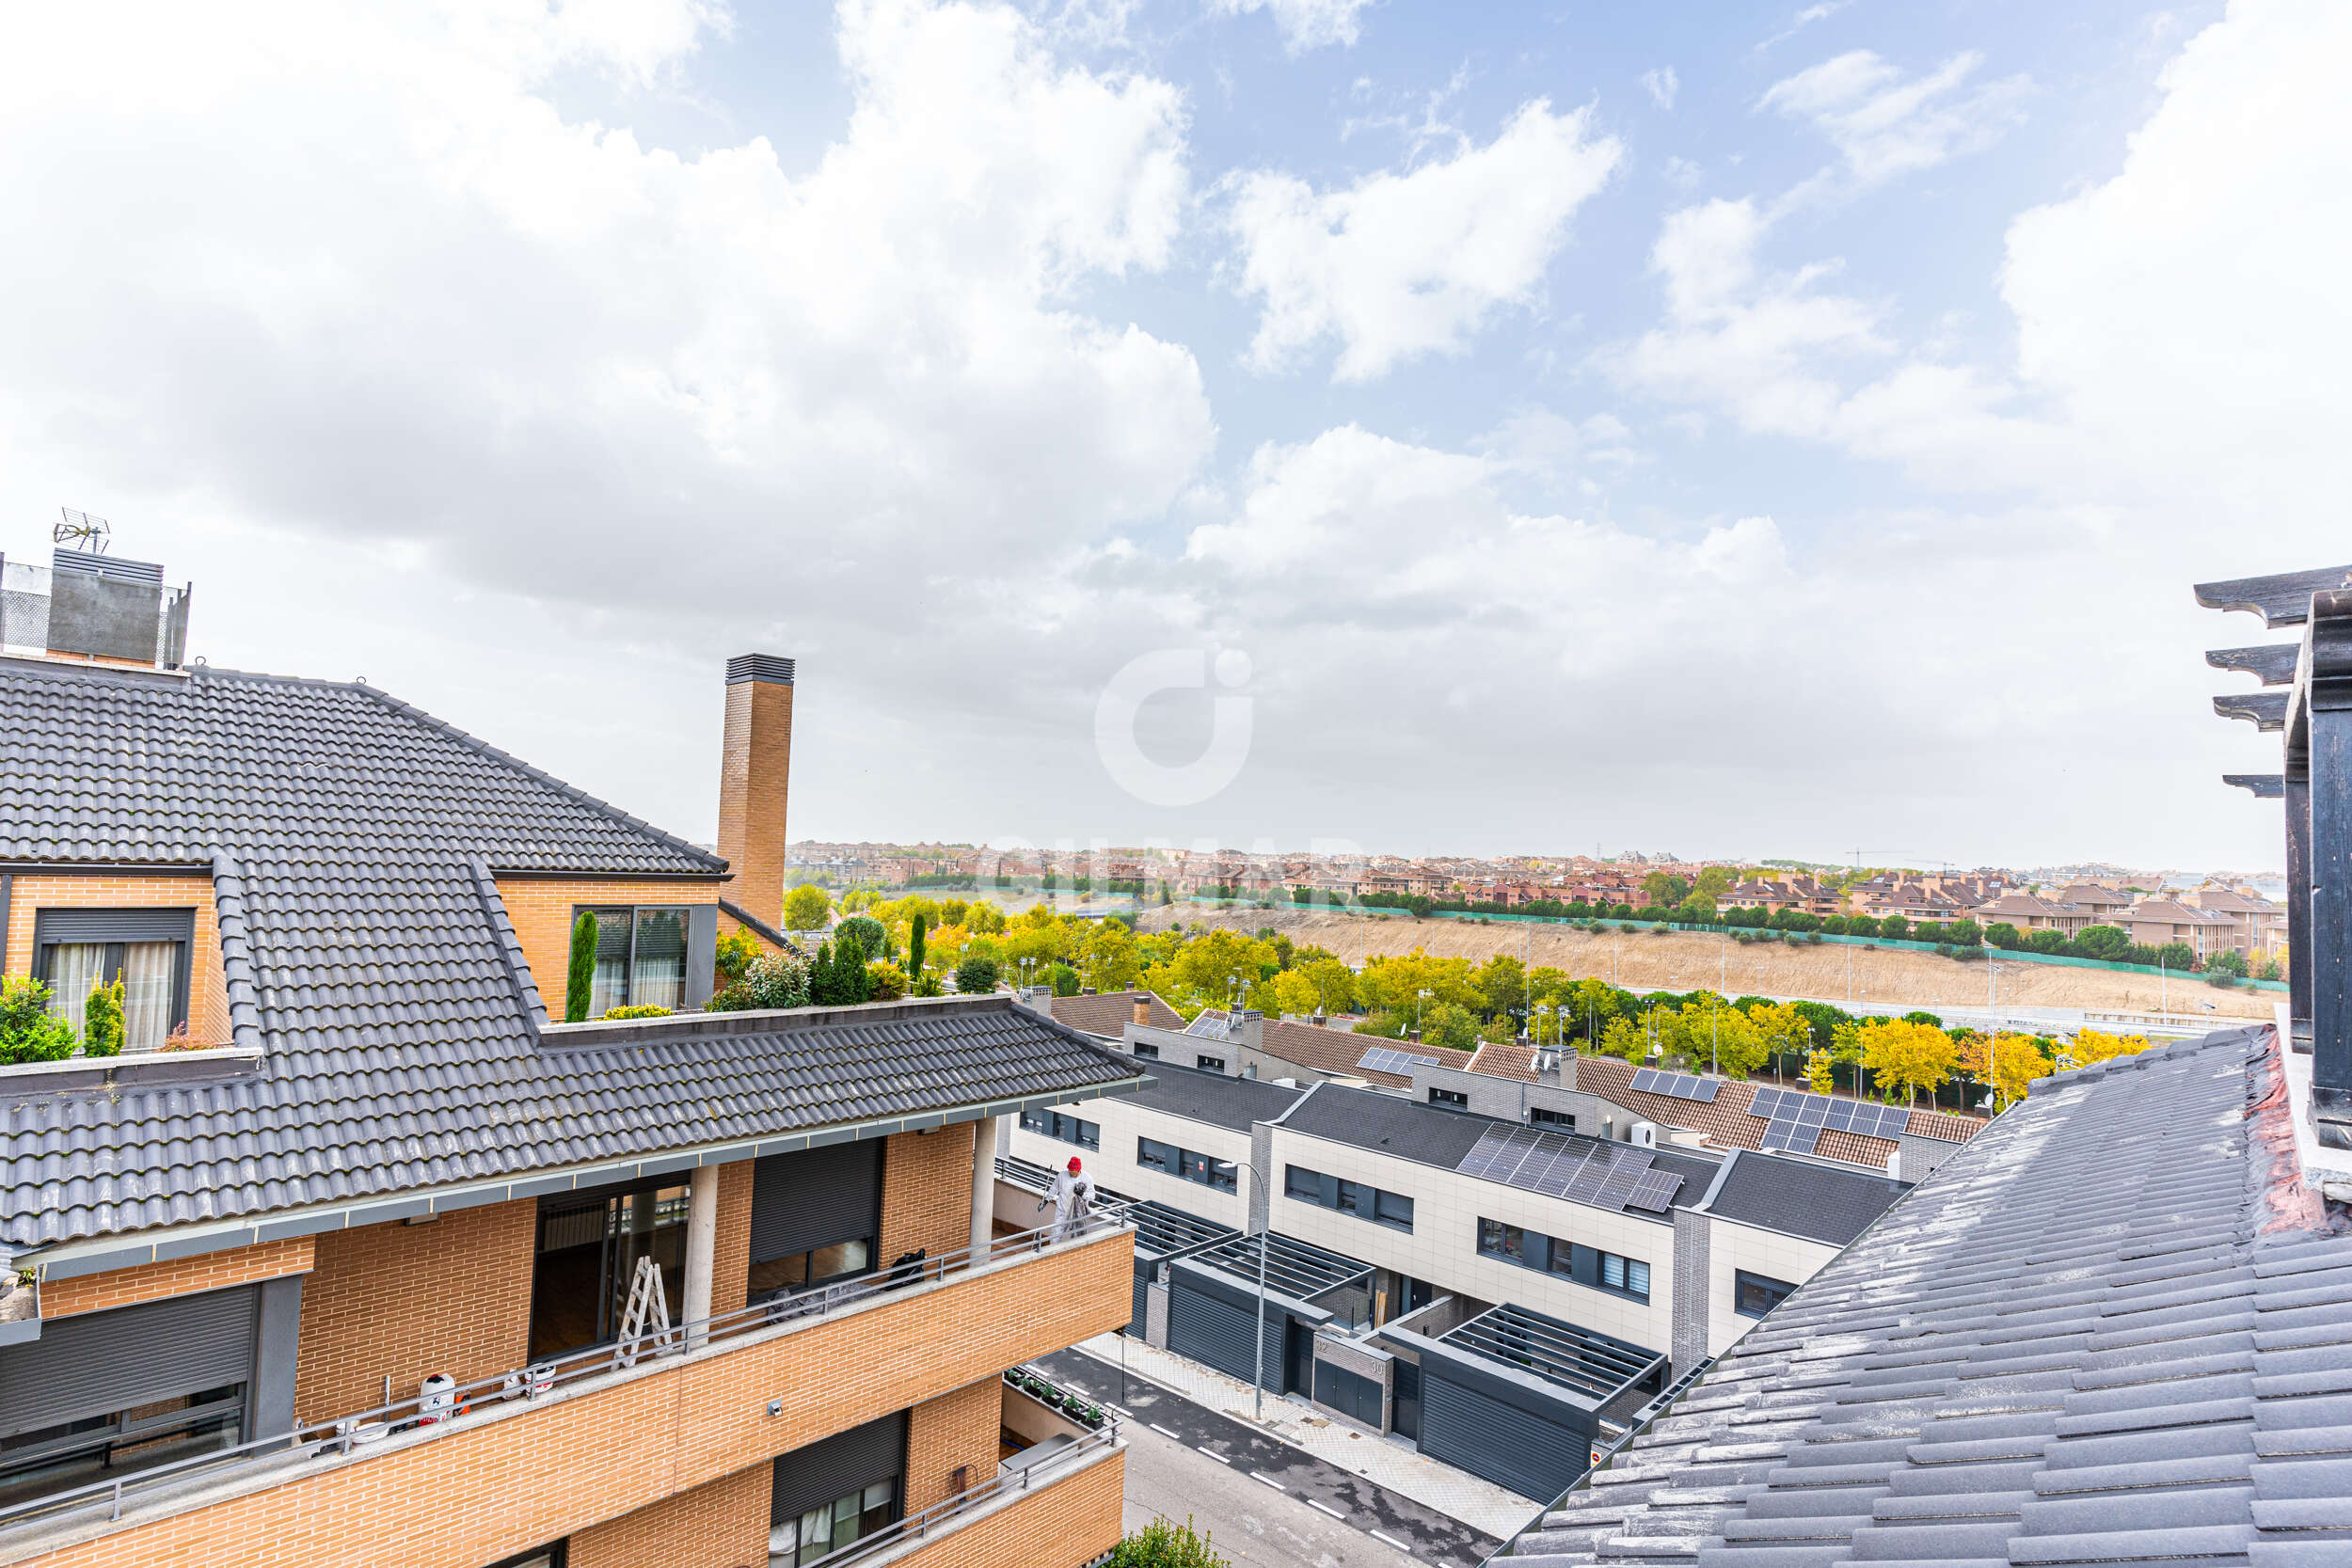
1207 1329
1510 1447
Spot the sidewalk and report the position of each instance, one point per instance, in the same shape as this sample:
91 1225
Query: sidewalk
1456 1494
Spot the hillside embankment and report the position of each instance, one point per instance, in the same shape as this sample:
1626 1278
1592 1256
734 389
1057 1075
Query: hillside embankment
1683 960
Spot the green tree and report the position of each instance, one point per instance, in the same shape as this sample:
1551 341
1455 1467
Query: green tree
1698 908
1113 957
1715 882
29 1032
2105 943
975 975
1163 1543
2177 955
1502 984
868 933
916 931
1064 978
805 908
1661 888
2228 961
1451 1024
736 949
580 978
983 918
101 1021
1894 927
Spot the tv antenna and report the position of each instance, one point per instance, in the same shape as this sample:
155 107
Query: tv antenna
81 532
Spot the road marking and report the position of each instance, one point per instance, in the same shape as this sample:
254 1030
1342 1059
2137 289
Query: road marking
1164 1432
1327 1508
1261 1475
1391 1541
1212 1454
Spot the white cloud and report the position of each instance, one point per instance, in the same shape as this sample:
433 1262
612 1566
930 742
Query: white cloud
1305 24
1883 126
1661 85
1403 264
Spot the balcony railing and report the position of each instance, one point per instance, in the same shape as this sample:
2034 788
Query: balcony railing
919 1526
437 1413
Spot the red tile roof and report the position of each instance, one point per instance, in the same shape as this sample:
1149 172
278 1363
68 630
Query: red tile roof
1515 1061
1106 1016
1937 1124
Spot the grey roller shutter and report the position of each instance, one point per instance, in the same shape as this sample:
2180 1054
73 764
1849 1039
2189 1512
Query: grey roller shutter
1508 1445
96 1363
837 1466
1142 1303
814 1199
112 926
1207 1329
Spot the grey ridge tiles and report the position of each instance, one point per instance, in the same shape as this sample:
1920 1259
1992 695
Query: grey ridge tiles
352 843
2116 1328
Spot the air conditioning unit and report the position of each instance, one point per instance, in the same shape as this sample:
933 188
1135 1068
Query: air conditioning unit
1643 1134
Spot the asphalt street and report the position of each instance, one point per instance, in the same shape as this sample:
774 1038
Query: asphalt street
1265 1503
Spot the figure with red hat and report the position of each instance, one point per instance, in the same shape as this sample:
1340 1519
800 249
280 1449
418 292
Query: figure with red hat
1071 1199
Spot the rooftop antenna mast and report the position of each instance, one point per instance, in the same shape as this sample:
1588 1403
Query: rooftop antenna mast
81 532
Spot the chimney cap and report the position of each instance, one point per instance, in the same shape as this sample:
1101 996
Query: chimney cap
768 668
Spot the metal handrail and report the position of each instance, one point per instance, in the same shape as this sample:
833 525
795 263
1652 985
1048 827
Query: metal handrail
918 1527
427 1416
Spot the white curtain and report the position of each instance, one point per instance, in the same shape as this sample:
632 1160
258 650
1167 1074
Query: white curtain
73 970
148 969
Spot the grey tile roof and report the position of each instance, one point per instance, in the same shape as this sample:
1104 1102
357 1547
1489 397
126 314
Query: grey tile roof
2107 1331
377 974
1800 1199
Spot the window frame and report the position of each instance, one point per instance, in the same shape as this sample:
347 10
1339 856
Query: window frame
1203 1062
1450 1100
1741 1280
53 928
1543 1115
636 914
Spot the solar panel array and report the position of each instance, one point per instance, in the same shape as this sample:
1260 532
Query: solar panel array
1583 1170
1210 1025
1798 1118
1681 1086
1381 1058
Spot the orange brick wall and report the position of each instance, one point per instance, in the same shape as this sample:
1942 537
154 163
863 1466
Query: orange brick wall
410 1300
754 778
955 1428
484 1492
95 1293
208 982
720 1524
543 909
1072 1522
731 1245
927 1193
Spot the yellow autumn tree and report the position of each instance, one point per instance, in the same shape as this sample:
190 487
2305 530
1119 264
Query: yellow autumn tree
2093 1045
1624 1039
1908 1056
1820 1072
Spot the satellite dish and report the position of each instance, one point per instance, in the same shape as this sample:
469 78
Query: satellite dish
81 532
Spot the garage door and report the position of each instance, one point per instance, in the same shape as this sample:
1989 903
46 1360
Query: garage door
1508 1445
1218 1333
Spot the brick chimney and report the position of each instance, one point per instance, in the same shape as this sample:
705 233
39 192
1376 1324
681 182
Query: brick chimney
1143 1007
754 765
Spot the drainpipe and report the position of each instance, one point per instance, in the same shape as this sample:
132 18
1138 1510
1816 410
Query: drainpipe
702 1239
985 1135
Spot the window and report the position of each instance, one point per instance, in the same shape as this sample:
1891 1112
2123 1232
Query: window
1360 1198
830 1526
802 1270
1206 1170
640 959
1627 1275
1603 1271
1539 1117
146 951
1209 1064
1063 1127
1753 1294
1146 1049
546 1557
1452 1098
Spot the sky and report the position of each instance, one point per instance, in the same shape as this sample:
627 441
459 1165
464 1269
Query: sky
1392 427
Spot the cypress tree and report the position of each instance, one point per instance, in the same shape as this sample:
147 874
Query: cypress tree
914 949
582 974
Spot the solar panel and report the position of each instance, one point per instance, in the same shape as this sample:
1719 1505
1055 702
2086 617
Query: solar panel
1795 1136
1618 1187
1646 1080
1864 1117
1655 1192
1382 1058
